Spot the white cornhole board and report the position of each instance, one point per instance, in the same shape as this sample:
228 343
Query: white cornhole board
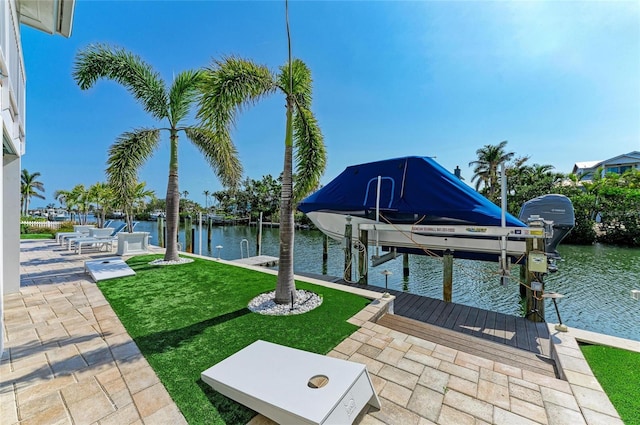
107 268
273 380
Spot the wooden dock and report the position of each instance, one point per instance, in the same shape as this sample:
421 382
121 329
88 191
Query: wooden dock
509 330
258 260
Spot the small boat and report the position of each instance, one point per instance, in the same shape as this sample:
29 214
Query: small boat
155 215
412 204
216 218
58 215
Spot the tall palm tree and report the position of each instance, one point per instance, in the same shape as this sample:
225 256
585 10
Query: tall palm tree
206 200
486 167
232 84
170 105
29 188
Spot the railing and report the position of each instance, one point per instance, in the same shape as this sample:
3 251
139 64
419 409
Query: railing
50 224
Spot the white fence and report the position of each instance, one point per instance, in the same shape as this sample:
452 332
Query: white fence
50 224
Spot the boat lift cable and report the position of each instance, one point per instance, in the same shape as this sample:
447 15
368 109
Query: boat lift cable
360 248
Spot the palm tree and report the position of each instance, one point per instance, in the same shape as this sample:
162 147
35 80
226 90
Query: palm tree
134 200
29 188
102 195
171 105
206 200
486 167
73 200
230 85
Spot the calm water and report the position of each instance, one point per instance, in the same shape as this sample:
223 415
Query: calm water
596 280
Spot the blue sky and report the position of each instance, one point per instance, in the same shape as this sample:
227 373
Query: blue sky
559 80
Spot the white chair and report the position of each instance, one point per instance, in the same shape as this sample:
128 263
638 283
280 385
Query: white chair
100 237
78 231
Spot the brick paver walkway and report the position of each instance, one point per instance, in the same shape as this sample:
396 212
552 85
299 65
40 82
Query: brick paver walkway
68 360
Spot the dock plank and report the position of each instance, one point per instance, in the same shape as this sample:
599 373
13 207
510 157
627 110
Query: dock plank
259 260
511 331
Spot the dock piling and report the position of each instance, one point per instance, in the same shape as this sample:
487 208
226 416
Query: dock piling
348 233
363 255
447 273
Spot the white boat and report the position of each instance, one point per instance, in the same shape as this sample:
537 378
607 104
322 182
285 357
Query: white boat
58 215
414 205
155 215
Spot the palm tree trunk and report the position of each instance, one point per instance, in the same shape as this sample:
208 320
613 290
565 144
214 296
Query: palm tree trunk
286 288
173 202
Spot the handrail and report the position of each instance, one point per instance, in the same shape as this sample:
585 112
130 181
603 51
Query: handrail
243 241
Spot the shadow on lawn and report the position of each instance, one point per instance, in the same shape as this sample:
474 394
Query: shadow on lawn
230 411
160 342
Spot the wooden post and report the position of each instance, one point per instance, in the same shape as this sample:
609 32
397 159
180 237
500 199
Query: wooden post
325 248
534 307
193 239
348 232
523 279
363 256
208 230
259 236
187 234
447 273
161 231
405 264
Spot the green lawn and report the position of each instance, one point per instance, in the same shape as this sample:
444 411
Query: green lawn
36 236
187 318
618 371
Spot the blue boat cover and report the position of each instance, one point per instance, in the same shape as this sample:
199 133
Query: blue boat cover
412 189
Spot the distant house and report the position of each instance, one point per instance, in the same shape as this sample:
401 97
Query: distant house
618 164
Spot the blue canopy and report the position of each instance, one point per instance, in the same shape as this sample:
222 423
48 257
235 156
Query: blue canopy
412 189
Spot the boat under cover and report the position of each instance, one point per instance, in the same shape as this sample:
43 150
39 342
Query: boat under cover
413 204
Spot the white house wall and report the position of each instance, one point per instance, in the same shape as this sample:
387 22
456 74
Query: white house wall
54 17
12 124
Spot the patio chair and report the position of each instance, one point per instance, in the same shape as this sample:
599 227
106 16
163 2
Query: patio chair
101 235
78 231
99 240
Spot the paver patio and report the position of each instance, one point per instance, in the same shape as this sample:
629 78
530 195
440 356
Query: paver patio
68 359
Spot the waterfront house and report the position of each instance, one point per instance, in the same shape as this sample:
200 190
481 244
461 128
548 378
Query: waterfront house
53 17
618 164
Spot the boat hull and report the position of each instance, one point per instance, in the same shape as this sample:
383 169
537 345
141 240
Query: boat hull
425 239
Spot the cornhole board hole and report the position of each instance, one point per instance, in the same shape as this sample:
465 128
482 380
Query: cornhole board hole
107 268
292 386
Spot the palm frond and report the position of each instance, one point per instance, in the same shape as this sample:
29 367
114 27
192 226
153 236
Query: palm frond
182 94
310 152
103 61
229 86
127 155
302 82
220 153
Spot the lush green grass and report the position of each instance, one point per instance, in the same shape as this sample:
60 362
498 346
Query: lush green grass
36 236
618 371
187 318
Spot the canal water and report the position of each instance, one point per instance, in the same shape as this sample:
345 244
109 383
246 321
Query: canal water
595 280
